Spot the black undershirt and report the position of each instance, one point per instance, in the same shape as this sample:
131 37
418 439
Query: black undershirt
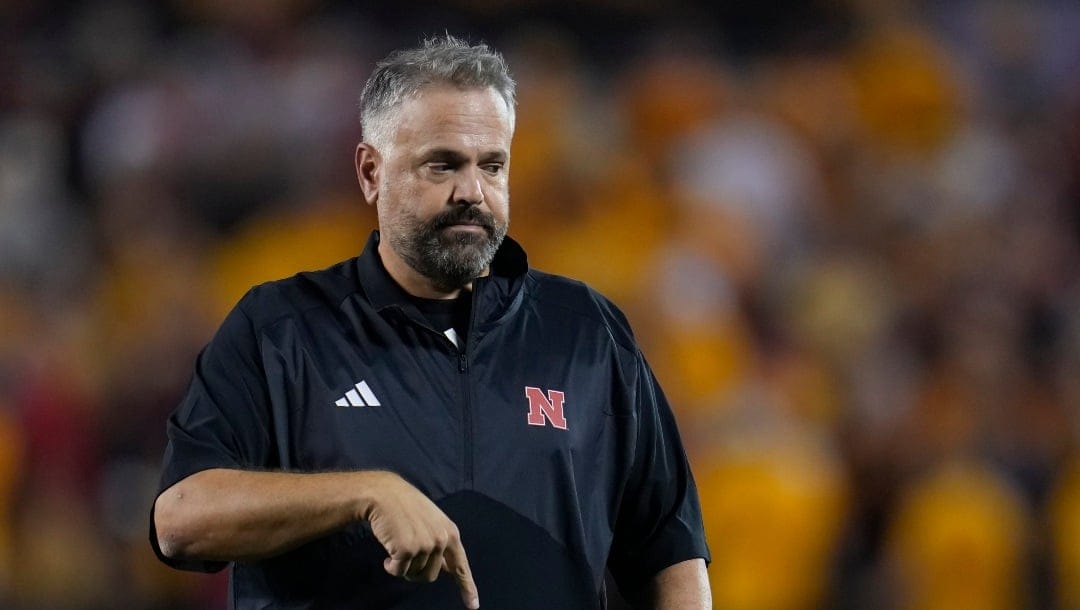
443 314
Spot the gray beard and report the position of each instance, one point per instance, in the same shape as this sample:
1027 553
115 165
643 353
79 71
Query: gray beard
450 261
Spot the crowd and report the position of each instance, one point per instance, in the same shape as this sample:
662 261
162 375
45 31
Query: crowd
849 244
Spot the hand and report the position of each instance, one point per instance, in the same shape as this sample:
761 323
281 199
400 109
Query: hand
420 538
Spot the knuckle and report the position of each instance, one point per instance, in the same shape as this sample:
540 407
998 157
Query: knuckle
409 546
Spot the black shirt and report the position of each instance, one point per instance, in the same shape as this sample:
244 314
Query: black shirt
544 436
447 314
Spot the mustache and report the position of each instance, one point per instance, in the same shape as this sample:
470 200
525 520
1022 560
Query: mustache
461 215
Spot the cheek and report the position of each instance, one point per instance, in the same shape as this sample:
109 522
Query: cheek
498 201
405 196
396 212
501 211
424 196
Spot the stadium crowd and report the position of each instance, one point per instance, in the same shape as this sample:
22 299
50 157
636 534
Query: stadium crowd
848 237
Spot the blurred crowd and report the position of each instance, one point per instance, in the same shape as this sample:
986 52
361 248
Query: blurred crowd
847 235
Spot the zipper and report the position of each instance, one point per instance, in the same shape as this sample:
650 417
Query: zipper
466 420
463 368
463 371
466 407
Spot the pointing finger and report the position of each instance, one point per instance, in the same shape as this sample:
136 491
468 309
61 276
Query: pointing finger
457 565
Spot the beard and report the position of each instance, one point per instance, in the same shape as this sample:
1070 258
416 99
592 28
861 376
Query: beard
451 260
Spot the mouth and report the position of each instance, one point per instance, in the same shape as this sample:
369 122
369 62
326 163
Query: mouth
466 224
471 227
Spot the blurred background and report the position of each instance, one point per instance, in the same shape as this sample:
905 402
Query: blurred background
847 233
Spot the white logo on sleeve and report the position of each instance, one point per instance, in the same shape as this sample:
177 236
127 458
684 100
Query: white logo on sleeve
359 396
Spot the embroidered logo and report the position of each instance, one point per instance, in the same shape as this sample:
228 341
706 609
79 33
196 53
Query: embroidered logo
359 396
544 408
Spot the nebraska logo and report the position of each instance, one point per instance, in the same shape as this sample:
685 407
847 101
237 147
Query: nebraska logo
545 407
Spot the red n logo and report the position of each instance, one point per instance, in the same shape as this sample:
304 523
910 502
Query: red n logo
547 407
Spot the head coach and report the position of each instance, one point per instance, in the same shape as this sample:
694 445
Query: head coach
431 423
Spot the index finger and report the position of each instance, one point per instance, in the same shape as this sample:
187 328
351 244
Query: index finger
455 562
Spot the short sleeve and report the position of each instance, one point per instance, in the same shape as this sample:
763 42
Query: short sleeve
224 419
659 522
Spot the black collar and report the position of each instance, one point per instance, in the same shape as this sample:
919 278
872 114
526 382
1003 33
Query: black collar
495 296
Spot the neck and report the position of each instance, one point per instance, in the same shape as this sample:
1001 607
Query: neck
411 280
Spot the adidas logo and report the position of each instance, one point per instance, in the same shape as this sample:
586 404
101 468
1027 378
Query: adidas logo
360 396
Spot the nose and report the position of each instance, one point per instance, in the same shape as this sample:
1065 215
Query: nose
467 188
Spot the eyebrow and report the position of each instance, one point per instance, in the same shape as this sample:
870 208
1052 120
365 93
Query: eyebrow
447 155
443 155
498 156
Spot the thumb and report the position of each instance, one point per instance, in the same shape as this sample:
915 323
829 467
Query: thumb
394 567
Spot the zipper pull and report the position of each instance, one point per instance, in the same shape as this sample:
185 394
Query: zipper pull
463 363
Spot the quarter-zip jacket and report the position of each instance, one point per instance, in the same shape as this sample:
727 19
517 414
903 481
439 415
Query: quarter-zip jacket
544 437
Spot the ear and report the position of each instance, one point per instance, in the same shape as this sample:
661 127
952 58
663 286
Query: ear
368 166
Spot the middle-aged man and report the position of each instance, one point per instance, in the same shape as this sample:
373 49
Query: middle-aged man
432 405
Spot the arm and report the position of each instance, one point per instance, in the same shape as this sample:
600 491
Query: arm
683 586
228 515
224 514
659 553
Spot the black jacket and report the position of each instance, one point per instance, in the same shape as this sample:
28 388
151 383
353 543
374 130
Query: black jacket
337 370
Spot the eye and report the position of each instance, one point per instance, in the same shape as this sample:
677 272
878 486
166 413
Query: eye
492 168
439 168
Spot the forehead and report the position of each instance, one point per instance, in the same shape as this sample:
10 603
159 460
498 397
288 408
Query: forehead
447 117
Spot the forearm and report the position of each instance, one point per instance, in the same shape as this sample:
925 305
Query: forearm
683 586
229 515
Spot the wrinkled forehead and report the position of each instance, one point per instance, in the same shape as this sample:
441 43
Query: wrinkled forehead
450 117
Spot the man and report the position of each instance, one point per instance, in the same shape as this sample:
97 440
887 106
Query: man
433 405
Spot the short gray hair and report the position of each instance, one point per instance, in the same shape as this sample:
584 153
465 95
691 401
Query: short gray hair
442 60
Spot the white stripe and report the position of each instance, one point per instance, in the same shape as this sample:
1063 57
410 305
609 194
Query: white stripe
453 336
369 396
354 398
342 402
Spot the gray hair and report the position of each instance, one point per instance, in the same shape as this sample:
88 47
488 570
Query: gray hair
443 60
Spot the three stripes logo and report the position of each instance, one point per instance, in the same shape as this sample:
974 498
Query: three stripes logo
359 396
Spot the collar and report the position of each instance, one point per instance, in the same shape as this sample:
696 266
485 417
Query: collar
494 297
